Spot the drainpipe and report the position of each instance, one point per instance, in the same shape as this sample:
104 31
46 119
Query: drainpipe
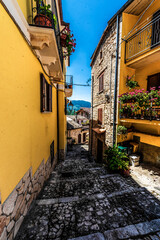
57 125
92 117
116 82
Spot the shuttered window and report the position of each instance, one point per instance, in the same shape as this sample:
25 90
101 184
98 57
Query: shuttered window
153 81
101 83
46 95
100 116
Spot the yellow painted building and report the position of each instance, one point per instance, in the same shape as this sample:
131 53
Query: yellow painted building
33 120
140 61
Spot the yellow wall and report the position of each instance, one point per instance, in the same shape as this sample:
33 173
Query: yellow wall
25 132
62 120
128 21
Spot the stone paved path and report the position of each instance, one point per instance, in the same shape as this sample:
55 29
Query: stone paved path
81 201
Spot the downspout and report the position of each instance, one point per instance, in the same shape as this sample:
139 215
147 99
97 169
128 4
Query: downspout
57 125
92 117
115 86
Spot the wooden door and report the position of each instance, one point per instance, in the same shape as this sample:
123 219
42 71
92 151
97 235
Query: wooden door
79 138
84 137
99 151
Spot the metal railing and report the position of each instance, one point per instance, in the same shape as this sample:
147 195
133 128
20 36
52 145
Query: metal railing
46 18
145 39
147 111
68 81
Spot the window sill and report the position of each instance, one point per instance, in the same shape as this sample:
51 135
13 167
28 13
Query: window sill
101 91
100 61
46 112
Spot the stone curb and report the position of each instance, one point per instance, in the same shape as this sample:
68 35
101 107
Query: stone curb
130 231
99 196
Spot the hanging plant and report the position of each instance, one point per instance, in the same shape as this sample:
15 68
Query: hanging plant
68 41
131 83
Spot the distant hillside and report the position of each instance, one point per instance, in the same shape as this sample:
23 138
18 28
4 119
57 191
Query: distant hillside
77 104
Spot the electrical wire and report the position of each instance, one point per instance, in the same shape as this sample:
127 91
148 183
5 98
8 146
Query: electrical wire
139 19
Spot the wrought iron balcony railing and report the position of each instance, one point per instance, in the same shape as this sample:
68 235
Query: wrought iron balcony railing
43 16
145 39
148 111
68 81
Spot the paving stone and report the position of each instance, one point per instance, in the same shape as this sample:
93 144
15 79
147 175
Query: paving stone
82 201
97 236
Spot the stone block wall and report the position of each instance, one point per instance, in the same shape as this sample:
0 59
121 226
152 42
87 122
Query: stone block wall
106 65
16 206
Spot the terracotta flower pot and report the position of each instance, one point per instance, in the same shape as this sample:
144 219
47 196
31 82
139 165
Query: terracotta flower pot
125 173
42 20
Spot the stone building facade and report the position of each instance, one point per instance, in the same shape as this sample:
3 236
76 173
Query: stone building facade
103 66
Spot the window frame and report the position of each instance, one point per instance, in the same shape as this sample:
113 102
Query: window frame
149 78
45 95
100 117
101 83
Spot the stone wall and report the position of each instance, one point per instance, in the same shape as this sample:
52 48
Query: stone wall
75 132
107 66
151 154
16 206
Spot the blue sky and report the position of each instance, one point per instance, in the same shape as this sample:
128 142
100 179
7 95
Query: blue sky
88 19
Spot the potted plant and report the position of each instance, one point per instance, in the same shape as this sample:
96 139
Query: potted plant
131 83
67 41
45 16
117 161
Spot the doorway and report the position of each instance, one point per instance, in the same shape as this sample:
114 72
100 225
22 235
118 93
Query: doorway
99 151
79 138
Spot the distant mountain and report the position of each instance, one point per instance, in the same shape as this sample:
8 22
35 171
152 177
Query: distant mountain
77 104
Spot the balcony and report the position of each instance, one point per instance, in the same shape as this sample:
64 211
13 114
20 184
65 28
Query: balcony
68 85
45 37
143 46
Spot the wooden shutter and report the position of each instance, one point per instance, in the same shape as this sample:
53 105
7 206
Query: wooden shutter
153 81
42 92
49 98
100 116
101 83
65 107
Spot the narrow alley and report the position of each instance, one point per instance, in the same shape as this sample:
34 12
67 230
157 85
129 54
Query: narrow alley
81 201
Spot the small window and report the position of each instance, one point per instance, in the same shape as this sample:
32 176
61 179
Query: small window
100 116
46 95
101 83
101 55
153 81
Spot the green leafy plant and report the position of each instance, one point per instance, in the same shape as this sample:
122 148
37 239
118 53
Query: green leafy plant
131 83
121 129
68 41
115 159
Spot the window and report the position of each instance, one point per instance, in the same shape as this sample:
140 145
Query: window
46 95
101 83
101 55
100 116
153 81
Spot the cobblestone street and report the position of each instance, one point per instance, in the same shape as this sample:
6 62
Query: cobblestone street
81 201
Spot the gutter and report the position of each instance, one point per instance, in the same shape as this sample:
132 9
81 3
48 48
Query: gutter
116 83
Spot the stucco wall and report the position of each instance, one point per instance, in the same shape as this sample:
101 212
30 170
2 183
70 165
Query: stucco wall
26 133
